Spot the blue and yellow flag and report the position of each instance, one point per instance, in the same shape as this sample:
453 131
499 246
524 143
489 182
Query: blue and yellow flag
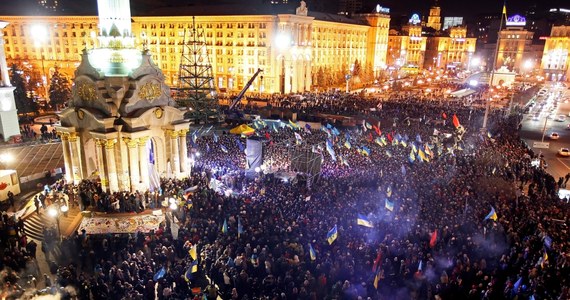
389 191
412 157
193 268
225 227
193 252
544 259
362 220
332 235
240 227
492 215
312 252
347 144
365 151
423 155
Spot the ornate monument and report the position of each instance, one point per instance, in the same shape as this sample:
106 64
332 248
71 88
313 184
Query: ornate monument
9 125
121 124
302 9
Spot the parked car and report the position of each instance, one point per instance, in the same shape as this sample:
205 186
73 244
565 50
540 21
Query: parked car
554 136
561 118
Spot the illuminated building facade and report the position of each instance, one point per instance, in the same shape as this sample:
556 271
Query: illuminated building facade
289 48
434 17
408 48
515 46
555 60
451 51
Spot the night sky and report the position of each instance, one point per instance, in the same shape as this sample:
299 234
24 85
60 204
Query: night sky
464 8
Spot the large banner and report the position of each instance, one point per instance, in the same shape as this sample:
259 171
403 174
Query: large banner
127 224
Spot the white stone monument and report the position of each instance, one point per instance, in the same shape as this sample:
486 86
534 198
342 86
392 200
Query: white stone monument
121 124
9 126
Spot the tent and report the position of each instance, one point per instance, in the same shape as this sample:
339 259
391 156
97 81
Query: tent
242 129
462 93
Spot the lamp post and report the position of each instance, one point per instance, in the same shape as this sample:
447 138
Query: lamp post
54 212
4 159
39 34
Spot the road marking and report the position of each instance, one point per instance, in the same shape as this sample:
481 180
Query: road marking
567 167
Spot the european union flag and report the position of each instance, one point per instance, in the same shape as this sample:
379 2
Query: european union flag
389 205
362 220
332 235
312 252
492 215
160 274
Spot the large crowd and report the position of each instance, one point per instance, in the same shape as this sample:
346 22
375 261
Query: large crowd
455 213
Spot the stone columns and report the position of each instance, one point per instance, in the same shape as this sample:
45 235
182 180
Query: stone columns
143 162
111 167
175 152
183 151
75 157
67 157
133 163
99 144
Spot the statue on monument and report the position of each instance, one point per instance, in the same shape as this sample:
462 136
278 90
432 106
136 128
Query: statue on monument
302 9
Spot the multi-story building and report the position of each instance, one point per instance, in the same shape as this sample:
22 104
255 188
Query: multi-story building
450 51
555 60
408 47
290 48
348 7
515 51
434 17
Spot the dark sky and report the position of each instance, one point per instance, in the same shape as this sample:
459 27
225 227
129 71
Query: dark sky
449 7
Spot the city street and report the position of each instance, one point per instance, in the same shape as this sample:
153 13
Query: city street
532 131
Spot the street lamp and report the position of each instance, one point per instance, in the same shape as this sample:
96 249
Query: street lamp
5 158
53 212
39 34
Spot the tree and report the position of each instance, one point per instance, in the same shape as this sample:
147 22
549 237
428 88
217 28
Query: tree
21 97
59 89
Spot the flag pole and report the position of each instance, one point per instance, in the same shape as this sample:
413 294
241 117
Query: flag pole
488 102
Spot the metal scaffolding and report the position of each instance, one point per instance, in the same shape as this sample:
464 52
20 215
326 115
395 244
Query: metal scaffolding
306 162
196 89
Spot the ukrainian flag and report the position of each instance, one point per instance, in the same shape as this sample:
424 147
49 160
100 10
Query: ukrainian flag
544 259
389 191
423 155
389 205
492 215
225 227
362 220
332 235
193 253
347 144
240 227
312 252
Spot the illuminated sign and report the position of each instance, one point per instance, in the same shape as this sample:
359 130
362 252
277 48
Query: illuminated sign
415 19
380 9
516 20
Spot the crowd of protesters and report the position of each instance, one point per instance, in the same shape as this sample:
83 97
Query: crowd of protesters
433 234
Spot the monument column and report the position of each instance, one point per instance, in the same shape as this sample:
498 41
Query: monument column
9 126
75 158
175 152
111 167
183 151
66 157
133 163
99 144
143 162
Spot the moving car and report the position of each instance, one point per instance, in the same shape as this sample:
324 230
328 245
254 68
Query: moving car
554 136
561 118
564 152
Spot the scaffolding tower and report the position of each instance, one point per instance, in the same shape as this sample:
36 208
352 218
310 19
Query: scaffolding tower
196 90
306 162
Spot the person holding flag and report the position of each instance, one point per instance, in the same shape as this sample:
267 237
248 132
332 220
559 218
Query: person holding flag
362 220
312 252
492 215
225 227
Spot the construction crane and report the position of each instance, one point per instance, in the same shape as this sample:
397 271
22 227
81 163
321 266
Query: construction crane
247 85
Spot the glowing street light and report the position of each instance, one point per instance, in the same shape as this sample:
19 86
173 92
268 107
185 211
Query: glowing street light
39 34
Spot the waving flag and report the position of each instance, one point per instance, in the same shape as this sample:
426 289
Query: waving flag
312 252
444 116
160 274
422 155
378 131
517 285
377 261
332 235
293 124
377 278
412 157
188 274
455 121
404 143
365 150
548 242
544 259
298 137
225 227
330 150
389 154
362 220
344 161
193 252
419 138
224 148
420 266
403 169
240 227
389 205
433 239
492 215
194 137
347 144
389 191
